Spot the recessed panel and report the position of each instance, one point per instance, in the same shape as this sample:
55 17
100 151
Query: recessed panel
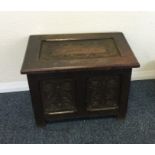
78 49
58 96
103 92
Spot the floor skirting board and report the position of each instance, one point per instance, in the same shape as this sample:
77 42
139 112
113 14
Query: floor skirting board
17 86
143 75
13 86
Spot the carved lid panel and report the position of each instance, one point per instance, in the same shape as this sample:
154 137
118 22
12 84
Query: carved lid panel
70 52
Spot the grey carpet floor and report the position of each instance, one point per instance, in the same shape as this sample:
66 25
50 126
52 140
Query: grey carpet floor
17 123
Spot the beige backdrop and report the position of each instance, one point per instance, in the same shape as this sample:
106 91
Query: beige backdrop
15 27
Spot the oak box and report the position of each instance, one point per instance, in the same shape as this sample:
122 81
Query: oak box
78 75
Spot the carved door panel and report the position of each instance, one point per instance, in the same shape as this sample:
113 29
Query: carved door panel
58 96
102 92
81 94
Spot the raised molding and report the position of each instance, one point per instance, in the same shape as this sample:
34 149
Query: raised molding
17 86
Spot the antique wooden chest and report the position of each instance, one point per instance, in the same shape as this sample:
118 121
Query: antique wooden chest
78 75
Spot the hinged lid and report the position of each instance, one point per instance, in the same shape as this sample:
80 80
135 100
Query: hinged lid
51 53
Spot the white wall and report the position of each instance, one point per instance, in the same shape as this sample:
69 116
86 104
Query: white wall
15 27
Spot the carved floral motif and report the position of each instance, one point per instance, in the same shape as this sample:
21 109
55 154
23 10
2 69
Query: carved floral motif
57 95
102 92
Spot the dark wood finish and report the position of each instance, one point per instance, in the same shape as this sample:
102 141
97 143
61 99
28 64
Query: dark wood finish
36 100
125 86
77 49
78 75
115 53
61 98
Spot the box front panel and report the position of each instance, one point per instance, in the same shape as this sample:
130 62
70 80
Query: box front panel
103 92
58 96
